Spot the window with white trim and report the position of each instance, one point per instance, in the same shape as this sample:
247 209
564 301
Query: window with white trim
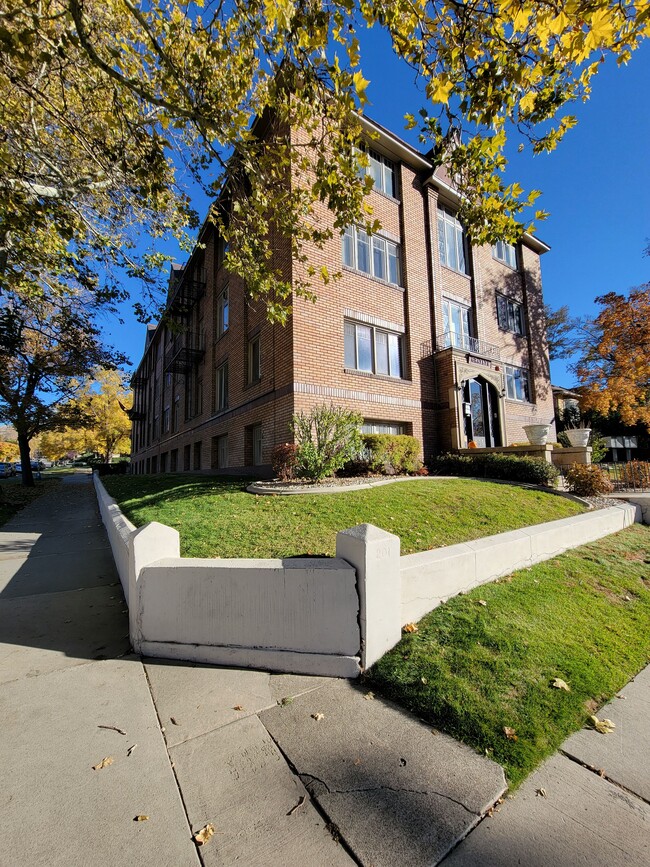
221 388
451 240
517 383
456 324
382 171
510 315
506 253
372 350
222 312
382 427
371 255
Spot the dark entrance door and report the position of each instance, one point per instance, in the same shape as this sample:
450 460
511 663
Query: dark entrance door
481 413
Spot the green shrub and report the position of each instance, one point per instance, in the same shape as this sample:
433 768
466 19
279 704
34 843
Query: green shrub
496 466
325 439
391 453
588 480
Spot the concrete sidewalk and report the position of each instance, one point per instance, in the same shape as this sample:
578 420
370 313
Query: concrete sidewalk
290 770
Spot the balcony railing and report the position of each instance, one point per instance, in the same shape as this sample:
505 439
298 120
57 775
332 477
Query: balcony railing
466 343
187 292
139 379
136 414
186 351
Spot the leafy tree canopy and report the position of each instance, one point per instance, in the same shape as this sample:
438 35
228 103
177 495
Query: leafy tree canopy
105 104
614 367
46 349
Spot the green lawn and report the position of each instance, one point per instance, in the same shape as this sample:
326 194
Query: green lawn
217 518
472 669
14 497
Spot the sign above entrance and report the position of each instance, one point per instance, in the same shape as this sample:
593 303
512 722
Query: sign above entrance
475 359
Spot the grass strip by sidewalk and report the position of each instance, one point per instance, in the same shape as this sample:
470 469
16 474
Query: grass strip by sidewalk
217 518
486 660
14 496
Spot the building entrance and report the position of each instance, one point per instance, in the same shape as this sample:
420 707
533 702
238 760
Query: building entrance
481 413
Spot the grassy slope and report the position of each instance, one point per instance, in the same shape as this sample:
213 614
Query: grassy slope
472 669
216 518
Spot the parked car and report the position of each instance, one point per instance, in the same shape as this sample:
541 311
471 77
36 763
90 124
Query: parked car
6 470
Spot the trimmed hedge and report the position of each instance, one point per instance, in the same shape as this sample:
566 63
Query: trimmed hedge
496 466
392 454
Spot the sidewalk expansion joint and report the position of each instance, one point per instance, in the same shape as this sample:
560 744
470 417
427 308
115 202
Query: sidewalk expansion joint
599 772
331 826
171 764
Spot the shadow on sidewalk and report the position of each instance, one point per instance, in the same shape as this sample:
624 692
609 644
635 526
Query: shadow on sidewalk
59 590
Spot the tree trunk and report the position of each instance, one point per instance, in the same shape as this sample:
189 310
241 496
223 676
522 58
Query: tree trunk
25 461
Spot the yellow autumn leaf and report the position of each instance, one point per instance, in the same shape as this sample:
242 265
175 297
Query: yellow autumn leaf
410 627
441 90
558 683
604 726
201 837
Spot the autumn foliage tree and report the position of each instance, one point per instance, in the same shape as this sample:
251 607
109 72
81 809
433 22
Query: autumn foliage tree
46 350
104 426
106 104
614 368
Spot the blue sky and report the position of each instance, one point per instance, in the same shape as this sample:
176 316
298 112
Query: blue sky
596 185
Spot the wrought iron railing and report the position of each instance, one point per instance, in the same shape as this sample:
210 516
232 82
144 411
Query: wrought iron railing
451 339
187 292
186 351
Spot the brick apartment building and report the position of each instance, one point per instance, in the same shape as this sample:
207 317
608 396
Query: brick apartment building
423 335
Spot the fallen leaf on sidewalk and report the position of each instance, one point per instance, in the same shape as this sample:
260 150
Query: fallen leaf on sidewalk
510 733
130 750
201 837
604 726
238 707
283 702
369 696
105 762
318 716
174 721
410 627
140 818
301 801
113 729
541 793
558 683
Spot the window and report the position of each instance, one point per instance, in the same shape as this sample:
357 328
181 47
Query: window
154 464
163 462
451 241
256 433
382 427
221 388
371 254
173 460
175 413
456 325
506 253
382 171
372 350
517 383
197 456
510 315
254 360
187 454
166 418
220 452
222 312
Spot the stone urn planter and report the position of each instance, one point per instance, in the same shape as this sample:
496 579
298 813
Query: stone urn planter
579 436
537 433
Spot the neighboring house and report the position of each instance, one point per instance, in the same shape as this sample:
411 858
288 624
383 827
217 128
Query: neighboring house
422 335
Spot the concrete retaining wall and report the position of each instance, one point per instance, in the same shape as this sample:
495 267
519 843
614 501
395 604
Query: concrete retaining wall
119 530
431 577
331 617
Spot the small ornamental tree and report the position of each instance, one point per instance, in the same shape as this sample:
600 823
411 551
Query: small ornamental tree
325 439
